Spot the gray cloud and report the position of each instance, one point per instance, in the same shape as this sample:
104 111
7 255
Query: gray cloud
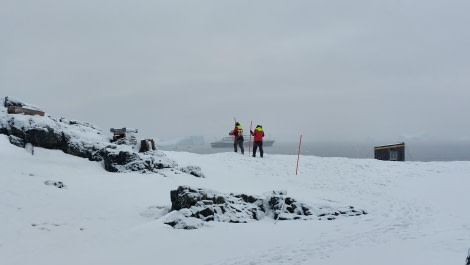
330 70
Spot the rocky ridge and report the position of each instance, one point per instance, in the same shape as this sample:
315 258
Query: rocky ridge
80 139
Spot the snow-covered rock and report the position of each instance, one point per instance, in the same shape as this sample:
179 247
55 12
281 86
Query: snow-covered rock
80 139
190 207
14 102
58 184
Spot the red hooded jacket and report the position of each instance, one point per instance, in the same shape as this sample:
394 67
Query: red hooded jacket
258 134
237 132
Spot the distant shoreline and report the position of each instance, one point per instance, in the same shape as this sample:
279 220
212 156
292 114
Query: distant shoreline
414 151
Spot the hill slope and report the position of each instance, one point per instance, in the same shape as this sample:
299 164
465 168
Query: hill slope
418 212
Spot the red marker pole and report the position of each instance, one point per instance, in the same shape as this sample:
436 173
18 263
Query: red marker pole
298 156
249 142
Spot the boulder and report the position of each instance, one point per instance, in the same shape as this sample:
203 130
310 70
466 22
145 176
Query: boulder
188 204
193 170
57 184
125 160
16 141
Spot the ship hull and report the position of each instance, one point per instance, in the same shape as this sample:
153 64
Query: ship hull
227 144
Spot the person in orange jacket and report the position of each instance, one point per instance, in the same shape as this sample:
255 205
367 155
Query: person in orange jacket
258 140
238 139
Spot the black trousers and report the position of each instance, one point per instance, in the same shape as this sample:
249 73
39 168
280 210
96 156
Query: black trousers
239 143
257 144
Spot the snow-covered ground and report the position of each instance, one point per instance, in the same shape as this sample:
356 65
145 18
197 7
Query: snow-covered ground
418 212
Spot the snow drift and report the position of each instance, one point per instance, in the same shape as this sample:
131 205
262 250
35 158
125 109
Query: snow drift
58 208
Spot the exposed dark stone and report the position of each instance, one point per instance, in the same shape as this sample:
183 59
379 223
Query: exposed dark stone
120 158
184 197
121 161
122 141
206 214
468 258
44 137
83 140
93 153
241 208
247 198
58 184
16 141
220 200
193 170
172 223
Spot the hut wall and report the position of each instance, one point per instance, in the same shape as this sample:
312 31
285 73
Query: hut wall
390 152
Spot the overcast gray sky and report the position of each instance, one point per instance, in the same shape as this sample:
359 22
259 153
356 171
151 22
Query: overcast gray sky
331 70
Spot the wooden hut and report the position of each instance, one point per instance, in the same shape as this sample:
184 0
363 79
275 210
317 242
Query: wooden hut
394 152
15 106
124 132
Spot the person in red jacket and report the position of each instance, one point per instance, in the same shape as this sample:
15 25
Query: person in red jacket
258 141
238 139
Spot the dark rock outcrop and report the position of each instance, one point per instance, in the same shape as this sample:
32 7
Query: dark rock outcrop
468 258
118 160
50 133
16 141
57 184
192 207
82 139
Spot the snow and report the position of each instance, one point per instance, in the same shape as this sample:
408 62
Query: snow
417 211
80 132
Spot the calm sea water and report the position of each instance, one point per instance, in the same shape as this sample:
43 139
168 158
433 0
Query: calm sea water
413 151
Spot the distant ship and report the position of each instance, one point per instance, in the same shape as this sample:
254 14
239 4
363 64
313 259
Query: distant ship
228 142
